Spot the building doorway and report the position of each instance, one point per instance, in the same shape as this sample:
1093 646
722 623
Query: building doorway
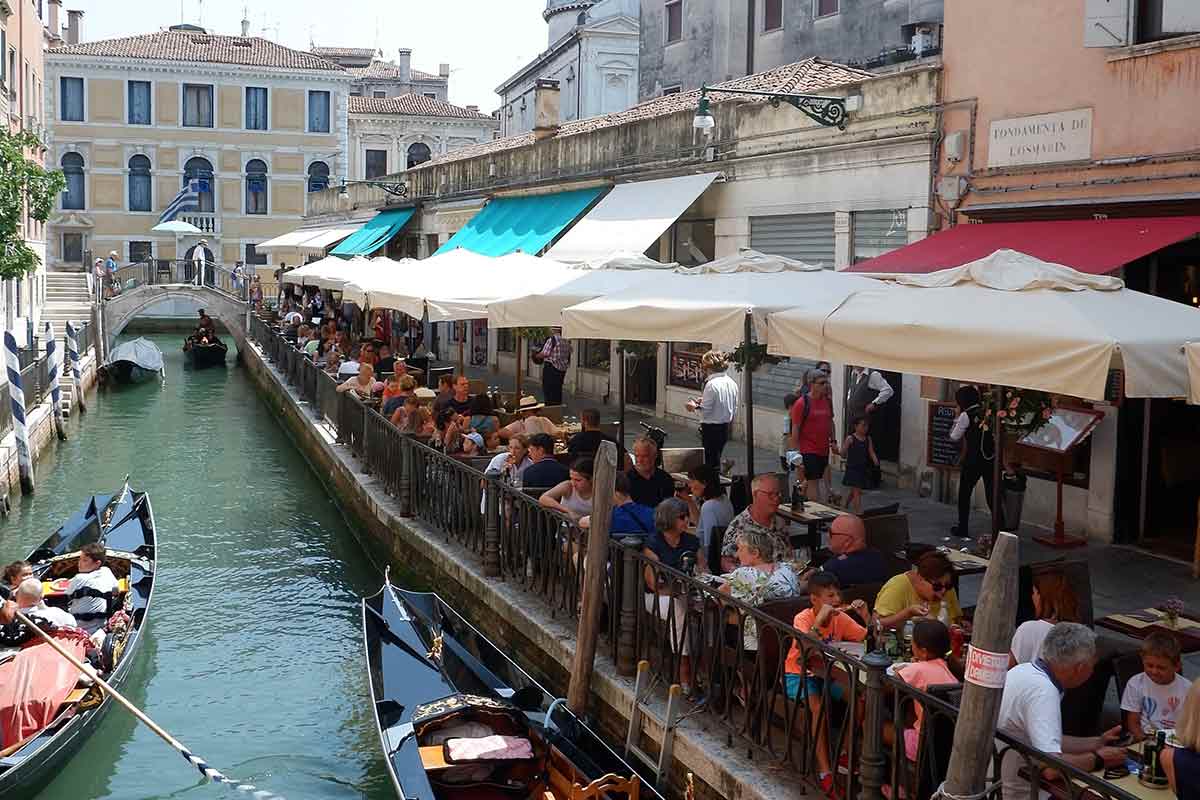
1158 475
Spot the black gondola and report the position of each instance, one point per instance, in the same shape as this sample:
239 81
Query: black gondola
208 351
124 522
135 361
457 718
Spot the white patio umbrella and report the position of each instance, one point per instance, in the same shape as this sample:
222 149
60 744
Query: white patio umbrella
177 226
1006 319
308 274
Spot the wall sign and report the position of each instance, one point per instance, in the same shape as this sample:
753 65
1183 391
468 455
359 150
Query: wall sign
1041 139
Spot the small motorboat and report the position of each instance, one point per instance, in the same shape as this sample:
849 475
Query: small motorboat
135 361
457 718
124 524
205 351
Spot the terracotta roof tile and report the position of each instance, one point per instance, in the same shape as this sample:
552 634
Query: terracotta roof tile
250 51
415 105
811 76
345 52
386 70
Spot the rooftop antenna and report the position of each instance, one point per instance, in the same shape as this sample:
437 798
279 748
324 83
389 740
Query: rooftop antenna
200 13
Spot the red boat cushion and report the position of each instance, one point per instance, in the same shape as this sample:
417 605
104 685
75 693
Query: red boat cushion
32 687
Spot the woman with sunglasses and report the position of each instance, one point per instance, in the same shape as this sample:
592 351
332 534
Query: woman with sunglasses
926 590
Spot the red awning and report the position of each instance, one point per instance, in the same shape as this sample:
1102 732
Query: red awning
1093 246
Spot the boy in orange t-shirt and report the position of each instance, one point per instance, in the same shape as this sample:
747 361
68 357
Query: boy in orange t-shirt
828 622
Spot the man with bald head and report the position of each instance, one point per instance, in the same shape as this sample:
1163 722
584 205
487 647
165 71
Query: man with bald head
853 562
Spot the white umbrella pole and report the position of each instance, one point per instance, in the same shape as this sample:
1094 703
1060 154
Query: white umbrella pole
749 404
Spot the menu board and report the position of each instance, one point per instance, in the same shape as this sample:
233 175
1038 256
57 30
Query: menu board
1066 428
686 370
940 450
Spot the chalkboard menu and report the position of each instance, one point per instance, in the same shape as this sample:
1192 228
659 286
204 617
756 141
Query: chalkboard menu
940 451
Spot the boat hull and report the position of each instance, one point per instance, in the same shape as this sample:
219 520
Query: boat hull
26 772
211 355
127 373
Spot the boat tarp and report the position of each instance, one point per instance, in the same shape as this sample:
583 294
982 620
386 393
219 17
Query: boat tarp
32 687
142 352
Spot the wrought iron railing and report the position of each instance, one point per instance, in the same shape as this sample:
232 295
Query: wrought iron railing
734 655
161 271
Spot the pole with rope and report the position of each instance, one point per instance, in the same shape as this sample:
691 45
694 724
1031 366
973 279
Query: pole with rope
54 362
16 394
73 354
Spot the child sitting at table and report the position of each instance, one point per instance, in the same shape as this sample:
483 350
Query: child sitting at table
930 644
1154 697
828 621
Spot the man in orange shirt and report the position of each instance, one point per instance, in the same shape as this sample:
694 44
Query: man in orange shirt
828 622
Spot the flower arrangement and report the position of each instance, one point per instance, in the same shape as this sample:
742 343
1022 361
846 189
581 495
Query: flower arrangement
1173 608
1021 412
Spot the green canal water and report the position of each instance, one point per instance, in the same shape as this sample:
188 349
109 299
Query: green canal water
253 657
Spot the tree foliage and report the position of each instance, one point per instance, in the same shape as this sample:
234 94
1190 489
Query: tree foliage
23 184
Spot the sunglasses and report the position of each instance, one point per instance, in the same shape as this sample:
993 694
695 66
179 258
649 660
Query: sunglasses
938 586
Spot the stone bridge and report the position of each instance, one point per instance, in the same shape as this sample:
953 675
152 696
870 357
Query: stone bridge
120 310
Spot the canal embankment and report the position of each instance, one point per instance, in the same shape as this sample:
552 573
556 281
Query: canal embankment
543 643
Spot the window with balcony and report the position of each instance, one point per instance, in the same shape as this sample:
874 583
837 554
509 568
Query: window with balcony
71 99
673 24
418 153
318 176
139 103
140 252
139 184
256 108
318 112
199 170
376 164
256 186
73 197
197 106
72 247
825 8
772 15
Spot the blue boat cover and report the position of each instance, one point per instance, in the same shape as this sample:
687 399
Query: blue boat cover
375 234
508 224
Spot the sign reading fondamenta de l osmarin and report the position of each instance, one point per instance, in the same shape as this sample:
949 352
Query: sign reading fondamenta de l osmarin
1041 139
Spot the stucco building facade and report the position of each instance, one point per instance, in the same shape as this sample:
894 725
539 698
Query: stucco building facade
131 119
394 133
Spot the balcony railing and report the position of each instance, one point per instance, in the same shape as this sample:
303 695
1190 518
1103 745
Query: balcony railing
206 221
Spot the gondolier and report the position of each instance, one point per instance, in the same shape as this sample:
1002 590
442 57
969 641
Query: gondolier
717 405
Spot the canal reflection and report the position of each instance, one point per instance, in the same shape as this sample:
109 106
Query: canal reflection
254 658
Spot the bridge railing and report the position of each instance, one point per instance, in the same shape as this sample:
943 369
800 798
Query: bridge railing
736 655
162 272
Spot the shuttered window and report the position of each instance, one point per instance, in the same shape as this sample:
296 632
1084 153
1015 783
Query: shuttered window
877 232
804 237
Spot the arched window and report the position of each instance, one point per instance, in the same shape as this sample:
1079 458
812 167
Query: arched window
418 154
256 186
139 184
73 196
199 169
318 176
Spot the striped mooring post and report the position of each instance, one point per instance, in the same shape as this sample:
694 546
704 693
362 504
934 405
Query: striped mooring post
16 393
54 362
73 353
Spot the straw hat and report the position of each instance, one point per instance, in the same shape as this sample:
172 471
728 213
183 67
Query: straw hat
529 403
424 393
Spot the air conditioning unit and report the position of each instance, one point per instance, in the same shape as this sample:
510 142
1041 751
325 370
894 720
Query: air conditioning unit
923 38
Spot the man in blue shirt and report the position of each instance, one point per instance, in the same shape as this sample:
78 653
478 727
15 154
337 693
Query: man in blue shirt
853 562
628 517
545 471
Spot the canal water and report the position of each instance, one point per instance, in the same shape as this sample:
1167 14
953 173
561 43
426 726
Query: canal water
254 656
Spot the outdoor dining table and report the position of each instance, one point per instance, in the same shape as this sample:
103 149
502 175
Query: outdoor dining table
1140 624
1081 791
966 563
813 516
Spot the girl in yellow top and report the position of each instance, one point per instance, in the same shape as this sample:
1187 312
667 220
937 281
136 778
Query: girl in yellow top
924 591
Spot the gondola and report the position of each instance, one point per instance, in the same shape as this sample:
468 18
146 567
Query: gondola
124 523
135 361
457 718
207 352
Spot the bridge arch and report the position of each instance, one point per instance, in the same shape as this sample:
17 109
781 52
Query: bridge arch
120 311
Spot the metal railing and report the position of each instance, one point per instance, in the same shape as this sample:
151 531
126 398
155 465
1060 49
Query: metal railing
734 655
161 271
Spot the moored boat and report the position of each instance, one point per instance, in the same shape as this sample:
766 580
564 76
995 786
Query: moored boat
207 351
124 524
457 718
134 361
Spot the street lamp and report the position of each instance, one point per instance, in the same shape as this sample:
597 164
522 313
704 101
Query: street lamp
393 188
828 111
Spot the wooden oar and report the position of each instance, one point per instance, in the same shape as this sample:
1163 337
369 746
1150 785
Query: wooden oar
209 773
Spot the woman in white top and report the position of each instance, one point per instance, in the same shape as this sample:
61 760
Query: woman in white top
572 497
1053 602
361 384
708 503
509 465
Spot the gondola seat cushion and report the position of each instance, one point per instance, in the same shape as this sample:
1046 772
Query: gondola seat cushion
488 748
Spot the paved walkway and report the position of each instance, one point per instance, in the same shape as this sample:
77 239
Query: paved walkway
1123 578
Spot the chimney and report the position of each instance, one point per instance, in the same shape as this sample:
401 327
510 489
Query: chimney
52 21
444 70
545 108
73 18
404 63
245 27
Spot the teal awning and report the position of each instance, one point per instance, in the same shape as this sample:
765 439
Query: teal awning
508 224
375 234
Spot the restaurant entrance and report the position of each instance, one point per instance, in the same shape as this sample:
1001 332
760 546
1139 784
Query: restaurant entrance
1158 475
